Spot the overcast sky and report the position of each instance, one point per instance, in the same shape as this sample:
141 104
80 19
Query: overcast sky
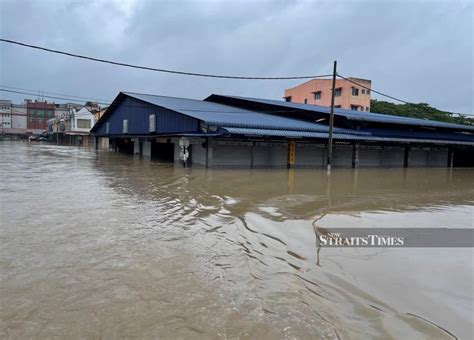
420 51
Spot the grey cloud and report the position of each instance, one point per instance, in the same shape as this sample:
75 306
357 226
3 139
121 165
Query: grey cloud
419 51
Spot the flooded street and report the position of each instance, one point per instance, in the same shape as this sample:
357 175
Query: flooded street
104 245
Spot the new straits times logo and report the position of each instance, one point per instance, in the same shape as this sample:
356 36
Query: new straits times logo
395 237
337 240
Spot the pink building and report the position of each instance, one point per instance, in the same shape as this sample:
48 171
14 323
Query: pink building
318 92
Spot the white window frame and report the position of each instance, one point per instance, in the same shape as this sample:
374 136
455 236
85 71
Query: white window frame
125 126
152 123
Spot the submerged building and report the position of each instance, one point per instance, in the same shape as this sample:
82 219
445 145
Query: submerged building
230 131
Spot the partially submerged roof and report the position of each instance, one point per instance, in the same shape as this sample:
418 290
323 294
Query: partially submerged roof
222 115
348 114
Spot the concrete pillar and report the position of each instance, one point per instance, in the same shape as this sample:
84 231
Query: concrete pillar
209 152
252 156
355 155
406 156
177 153
136 146
146 149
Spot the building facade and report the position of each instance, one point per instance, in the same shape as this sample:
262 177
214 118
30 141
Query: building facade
38 113
19 117
347 95
81 121
5 115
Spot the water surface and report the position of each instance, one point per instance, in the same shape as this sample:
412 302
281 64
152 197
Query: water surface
103 245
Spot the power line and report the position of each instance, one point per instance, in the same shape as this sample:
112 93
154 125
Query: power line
368 88
98 100
52 97
155 69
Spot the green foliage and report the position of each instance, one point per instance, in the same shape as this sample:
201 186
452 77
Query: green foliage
421 110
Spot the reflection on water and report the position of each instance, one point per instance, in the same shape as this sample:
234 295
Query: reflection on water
107 245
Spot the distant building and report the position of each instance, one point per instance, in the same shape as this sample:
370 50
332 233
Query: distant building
38 114
5 114
348 95
99 113
81 121
19 118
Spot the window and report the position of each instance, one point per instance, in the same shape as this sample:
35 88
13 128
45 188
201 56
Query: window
368 91
337 106
152 123
363 91
107 128
317 95
354 107
355 91
83 124
125 126
306 101
288 99
338 92
366 108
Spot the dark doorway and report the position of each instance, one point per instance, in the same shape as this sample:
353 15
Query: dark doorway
463 157
124 145
163 152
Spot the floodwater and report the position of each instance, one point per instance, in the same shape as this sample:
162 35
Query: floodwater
103 245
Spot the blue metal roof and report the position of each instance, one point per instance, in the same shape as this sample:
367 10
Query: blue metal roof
220 115
337 136
233 120
355 115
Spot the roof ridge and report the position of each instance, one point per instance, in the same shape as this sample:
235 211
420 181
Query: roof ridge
161 96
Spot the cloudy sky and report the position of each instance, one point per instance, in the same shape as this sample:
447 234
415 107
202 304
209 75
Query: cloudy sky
420 51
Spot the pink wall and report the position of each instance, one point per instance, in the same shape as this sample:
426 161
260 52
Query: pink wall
306 91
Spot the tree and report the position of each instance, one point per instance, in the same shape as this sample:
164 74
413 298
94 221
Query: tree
421 110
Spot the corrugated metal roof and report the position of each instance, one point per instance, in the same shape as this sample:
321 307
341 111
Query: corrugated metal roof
422 134
220 115
336 136
355 115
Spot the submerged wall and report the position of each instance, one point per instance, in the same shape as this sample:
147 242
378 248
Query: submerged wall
274 154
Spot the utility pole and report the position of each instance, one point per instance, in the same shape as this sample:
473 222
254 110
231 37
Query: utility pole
331 119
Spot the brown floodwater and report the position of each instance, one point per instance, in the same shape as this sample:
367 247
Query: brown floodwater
104 245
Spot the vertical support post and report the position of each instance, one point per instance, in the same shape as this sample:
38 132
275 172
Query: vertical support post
450 157
406 156
331 118
96 142
291 154
209 152
291 181
252 156
355 156
136 146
